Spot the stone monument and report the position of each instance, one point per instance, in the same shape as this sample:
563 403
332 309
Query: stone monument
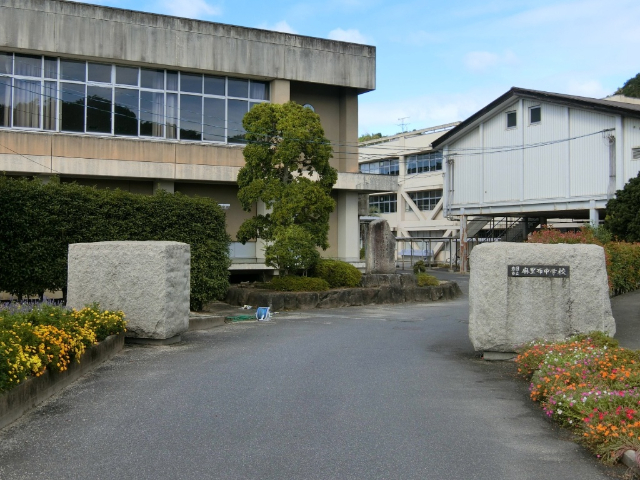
148 281
519 292
381 248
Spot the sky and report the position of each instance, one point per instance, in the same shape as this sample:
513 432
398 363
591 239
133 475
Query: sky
440 62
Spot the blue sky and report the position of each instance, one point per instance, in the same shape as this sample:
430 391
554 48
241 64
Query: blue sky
439 62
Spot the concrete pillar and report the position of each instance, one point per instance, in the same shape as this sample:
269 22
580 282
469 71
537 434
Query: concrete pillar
346 152
594 218
463 242
348 235
280 91
166 185
261 209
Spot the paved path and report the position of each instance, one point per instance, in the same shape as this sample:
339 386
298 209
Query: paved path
393 392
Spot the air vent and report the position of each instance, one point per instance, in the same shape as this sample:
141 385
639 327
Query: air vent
635 153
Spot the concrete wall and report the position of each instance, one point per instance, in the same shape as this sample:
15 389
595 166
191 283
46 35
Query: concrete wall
147 39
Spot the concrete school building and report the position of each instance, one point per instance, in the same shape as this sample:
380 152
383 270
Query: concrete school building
138 101
414 210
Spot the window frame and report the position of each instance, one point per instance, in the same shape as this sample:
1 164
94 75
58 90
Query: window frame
531 109
515 119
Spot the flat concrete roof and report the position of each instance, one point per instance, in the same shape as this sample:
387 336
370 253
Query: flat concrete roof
72 29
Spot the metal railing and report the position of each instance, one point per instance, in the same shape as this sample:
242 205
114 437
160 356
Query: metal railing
409 250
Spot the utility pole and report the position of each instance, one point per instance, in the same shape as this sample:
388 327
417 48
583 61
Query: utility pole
402 123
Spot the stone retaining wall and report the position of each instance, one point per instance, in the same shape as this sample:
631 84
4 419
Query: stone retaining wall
376 289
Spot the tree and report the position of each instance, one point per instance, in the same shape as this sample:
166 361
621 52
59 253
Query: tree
287 167
623 212
631 87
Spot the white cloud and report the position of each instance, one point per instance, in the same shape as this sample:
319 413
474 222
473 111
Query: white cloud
189 8
281 26
479 62
352 35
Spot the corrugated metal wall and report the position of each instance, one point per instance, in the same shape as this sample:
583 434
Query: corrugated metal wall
467 170
589 155
631 130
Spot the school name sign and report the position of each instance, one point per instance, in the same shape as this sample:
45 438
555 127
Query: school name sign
552 271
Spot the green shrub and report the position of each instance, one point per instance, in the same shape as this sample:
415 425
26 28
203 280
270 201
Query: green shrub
39 221
426 280
293 250
337 273
292 283
419 267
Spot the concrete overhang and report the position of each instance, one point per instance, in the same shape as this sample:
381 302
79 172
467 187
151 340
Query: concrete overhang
91 32
366 182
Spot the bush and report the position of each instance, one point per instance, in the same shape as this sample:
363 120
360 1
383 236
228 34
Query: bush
41 220
337 273
292 283
426 280
36 338
419 267
623 259
293 250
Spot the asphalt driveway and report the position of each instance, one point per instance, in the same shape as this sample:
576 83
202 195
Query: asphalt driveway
390 392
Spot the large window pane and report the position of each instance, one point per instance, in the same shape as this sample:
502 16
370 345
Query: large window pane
190 83
151 114
172 115
214 85
50 106
190 117
126 112
5 101
152 79
99 72
50 67
6 62
214 120
172 80
238 87
259 90
26 103
236 111
99 109
72 70
126 75
72 118
28 65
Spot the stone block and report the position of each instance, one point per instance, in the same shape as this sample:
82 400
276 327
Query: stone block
148 281
381 248
508 311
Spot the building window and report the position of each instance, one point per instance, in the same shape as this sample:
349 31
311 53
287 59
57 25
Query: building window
511 120
58 94
383 167
425 199
535 115
427 162
383 203
635 152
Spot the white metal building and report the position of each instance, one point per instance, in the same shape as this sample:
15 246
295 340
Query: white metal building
540 155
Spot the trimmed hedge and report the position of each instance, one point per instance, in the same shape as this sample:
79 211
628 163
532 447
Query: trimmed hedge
292 283
337 273
623 259
39 221
426 280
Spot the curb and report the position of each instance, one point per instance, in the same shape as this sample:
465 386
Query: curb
630 460
35 390
205 322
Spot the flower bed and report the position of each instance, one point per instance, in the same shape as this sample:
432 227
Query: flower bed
36 338
590 385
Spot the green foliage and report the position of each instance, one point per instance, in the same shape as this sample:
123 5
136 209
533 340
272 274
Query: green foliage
419 267
631 87
292 283
623 212
337 273
426 280
293 250
369 136
362 253
287 167
41 220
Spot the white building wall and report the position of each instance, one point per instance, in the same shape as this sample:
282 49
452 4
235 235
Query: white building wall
467 170
631 140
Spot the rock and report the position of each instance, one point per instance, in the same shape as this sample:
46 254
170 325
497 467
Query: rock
381 248
148 281
508 311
